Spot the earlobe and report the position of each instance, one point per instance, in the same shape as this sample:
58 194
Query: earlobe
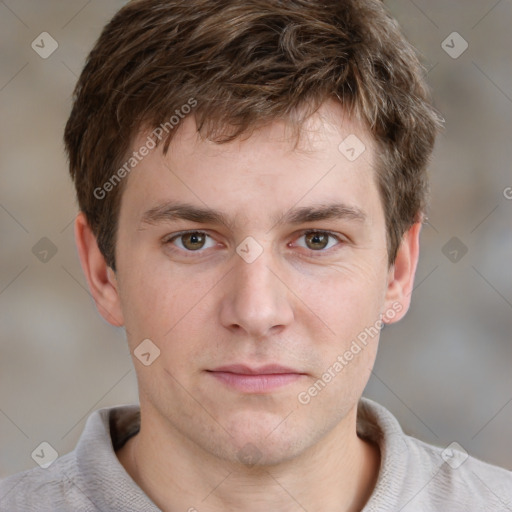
100 278
401 276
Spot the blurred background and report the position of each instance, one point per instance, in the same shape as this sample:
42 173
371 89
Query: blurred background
444 371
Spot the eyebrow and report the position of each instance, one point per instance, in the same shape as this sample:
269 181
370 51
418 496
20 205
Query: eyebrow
322 212
171 211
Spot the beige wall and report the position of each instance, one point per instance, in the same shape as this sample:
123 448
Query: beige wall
445 370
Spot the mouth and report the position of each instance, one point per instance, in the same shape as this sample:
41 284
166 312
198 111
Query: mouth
247 379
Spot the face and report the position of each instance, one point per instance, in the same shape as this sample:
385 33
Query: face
254 267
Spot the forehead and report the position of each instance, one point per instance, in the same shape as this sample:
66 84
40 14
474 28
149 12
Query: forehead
329 126
331 163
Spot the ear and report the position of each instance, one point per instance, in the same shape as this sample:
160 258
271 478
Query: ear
100 278
401 276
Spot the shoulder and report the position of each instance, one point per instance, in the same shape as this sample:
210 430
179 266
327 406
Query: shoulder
451 475
90 478
47 489
420 477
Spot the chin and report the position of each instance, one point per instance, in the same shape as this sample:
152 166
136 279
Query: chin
264 443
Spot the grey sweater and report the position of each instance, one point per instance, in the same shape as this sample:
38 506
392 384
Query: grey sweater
414 476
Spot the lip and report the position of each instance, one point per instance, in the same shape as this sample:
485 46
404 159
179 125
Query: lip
243 369
263 379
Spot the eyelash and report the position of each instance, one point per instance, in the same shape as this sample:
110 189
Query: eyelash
341 241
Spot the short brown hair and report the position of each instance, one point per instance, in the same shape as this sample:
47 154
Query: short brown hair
246 64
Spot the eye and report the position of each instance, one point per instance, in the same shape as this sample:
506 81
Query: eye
192 241
317 240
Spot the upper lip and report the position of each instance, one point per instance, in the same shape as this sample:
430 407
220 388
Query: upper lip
243 369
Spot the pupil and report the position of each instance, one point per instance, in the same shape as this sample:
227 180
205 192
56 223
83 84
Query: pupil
317 240
194 241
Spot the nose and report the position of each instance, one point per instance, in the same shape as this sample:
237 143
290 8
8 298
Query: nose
257 302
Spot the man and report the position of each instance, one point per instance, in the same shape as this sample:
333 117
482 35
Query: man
251 178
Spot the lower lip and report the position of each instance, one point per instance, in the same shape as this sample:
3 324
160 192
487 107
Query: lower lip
256 383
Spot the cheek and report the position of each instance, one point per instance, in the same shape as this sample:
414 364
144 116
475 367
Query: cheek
160 302
345 306
344 297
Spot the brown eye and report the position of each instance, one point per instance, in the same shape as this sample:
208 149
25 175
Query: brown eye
316 241
193 241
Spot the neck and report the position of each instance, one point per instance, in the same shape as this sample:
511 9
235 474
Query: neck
336 474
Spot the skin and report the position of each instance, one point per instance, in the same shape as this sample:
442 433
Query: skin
297 304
